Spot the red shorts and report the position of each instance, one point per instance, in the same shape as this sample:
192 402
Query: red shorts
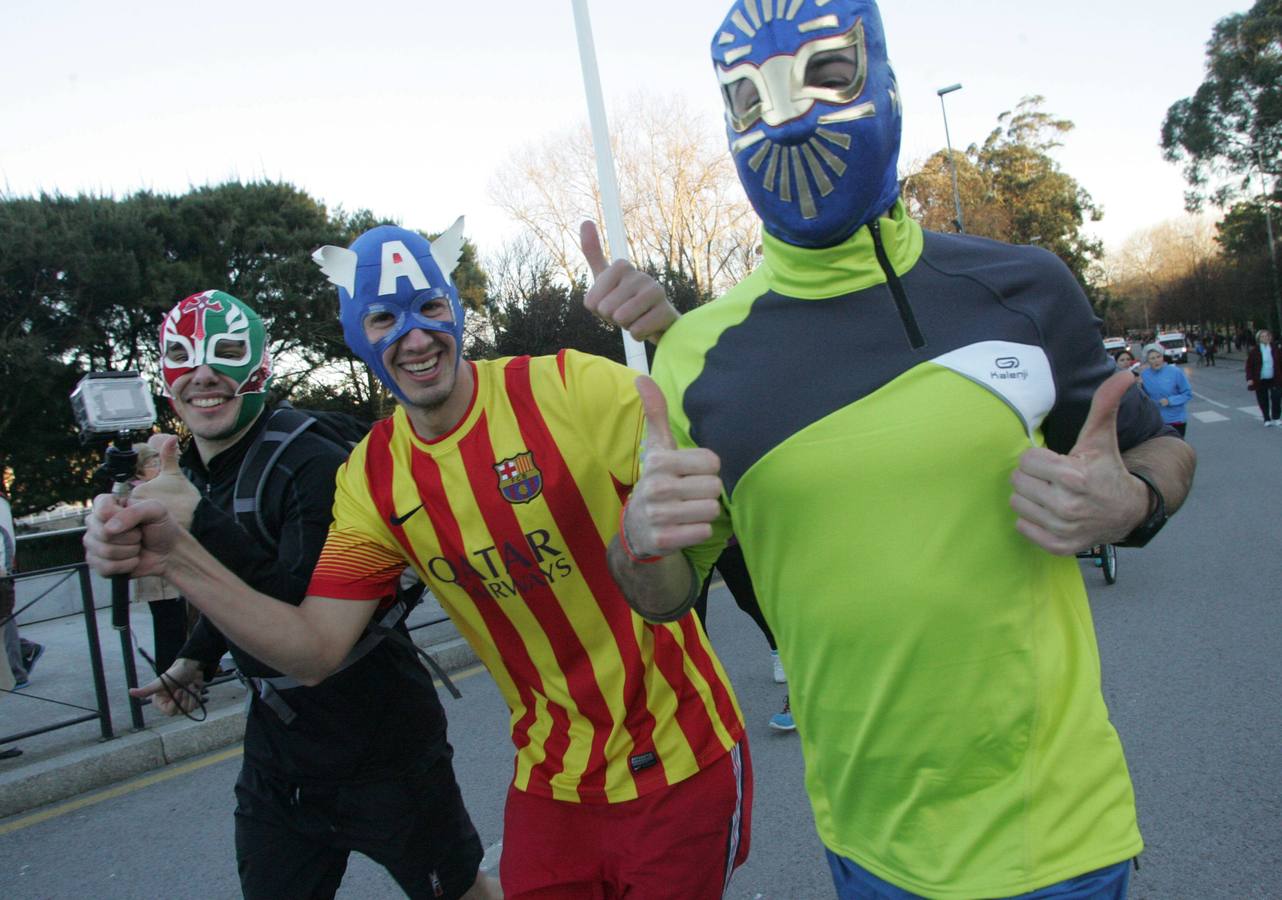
680 842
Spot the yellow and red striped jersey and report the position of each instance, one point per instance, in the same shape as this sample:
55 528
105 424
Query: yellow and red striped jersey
507 518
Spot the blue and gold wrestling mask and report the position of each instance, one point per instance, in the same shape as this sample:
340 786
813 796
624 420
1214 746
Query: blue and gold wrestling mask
813 114
393 270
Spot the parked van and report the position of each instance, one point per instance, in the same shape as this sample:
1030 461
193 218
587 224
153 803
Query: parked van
1115 345
1174 347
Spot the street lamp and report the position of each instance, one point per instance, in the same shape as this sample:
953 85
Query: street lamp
952 163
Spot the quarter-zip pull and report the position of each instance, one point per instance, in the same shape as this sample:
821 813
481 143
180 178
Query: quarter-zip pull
915 338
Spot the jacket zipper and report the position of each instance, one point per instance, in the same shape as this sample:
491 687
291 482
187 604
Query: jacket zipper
915 338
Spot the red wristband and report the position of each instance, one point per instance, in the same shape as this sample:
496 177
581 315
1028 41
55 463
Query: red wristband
623 541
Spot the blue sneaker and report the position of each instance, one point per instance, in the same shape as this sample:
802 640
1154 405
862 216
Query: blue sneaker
782 721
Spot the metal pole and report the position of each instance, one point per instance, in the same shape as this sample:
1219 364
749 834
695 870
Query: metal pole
1273 253
131 674
952 162
95 652
633 349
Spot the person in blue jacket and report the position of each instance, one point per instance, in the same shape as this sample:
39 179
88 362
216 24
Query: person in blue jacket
1168 387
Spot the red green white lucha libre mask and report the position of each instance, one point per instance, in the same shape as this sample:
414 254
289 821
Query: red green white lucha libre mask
215 329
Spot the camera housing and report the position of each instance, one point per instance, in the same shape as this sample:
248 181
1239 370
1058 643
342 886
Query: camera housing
107 404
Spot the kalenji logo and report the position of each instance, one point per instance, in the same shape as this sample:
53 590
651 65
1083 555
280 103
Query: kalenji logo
1008 368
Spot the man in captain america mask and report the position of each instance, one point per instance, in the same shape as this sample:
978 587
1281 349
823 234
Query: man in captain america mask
870 394
391 282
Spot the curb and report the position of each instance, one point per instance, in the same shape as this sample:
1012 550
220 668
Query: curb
130 755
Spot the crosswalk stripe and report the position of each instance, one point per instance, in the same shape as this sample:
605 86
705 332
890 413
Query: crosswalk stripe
1210 416
1210 401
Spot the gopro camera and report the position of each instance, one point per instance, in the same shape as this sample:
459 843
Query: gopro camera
114 405
107 404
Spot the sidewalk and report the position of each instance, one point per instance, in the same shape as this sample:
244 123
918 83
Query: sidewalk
75 759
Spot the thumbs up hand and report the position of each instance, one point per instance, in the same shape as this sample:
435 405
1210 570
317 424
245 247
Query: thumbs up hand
623 296
1068 503
171 488
678 495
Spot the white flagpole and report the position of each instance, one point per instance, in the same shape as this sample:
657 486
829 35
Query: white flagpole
614 230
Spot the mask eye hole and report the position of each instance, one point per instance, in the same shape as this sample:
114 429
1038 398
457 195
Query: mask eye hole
378 323
742 98
833 70
231 350
175 353
437 309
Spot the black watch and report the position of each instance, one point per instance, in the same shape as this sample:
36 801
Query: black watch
1145 531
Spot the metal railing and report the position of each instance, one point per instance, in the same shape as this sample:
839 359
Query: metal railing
103 712
52 549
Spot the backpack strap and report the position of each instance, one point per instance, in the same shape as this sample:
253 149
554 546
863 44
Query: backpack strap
268 689
283 426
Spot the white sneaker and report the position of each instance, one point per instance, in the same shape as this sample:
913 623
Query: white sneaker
780 677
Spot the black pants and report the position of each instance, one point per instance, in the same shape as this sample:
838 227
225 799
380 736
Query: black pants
735 572
292 841
169 628
1269 395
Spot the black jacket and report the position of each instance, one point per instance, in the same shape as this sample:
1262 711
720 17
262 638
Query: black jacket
376 717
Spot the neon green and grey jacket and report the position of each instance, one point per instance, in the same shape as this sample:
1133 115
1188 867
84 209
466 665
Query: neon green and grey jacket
869 403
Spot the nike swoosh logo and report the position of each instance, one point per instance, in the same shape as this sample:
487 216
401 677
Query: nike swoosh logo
398 521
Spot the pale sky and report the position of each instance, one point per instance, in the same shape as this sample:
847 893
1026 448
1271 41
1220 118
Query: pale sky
408 109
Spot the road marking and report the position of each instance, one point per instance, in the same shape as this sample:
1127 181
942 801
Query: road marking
1252 411
138 784
119 790
1210 401
462 674
1210 416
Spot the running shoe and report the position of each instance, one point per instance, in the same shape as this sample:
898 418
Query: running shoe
31 654
780 677
782 721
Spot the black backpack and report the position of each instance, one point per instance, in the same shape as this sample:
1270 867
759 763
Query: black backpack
284 425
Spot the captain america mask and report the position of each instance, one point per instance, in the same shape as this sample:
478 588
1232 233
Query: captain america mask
812 113
391 274
215 329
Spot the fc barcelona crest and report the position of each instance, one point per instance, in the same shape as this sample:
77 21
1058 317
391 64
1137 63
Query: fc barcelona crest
519 479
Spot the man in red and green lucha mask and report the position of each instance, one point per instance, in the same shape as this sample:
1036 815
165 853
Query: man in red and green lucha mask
384 752
214 359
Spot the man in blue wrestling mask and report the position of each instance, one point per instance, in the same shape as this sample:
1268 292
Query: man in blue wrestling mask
871 393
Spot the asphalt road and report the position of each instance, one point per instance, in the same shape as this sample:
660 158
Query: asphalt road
1191 647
